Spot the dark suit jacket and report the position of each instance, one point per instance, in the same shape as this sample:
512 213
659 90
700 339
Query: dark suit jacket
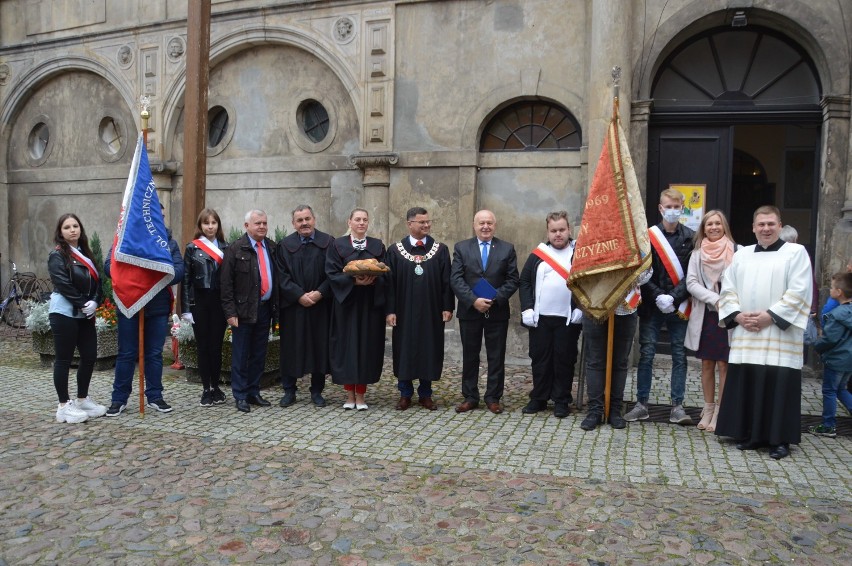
240 280
501 272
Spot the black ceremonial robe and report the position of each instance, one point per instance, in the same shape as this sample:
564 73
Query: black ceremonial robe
304 330
357 337
417 301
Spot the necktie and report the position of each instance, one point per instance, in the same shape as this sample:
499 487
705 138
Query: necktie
264 274
359 244
484 254
418 244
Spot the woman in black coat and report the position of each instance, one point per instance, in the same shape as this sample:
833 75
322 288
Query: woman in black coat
201 301
76 295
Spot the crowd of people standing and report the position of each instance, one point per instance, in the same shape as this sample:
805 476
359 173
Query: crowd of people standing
741 310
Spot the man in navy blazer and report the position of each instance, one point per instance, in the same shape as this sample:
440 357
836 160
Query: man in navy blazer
487 258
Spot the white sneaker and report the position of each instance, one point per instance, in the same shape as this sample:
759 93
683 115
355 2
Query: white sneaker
70 414
91 408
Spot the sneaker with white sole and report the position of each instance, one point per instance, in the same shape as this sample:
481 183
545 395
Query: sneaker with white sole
94 410
160 405
69 413
115 409
639 412
679 416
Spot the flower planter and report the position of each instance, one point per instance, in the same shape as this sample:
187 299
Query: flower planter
270 377
106 354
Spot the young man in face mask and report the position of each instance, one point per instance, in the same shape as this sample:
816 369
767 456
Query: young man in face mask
665 300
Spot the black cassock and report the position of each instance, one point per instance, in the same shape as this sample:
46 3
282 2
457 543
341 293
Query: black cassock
418 301
357 337
301 269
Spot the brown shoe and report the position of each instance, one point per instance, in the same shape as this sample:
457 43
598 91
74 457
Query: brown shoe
428 403
466 406
403 403
495 408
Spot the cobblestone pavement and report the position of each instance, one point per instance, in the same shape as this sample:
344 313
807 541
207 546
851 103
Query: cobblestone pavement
322 486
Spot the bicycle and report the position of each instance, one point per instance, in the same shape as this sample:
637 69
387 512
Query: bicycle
22 287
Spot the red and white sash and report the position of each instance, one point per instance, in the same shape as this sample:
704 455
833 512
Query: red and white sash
85 261
545 252
633 298
671 263
210 249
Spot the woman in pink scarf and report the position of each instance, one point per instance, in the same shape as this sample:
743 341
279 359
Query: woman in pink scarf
714 251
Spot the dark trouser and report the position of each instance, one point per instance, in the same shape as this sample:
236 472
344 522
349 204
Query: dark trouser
248 353
595 335
472 332
70 333
317 382
553 351
156 326
406 389
209 329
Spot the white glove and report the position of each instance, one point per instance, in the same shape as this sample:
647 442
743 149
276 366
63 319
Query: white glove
528 317
89 308
187 316
576 316
665 303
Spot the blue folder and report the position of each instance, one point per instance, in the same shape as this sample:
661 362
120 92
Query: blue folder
484 290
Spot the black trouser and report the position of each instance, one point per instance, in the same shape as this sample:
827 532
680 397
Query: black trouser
595 339
209 329
471 332
70 333
553 351
317 382
248 353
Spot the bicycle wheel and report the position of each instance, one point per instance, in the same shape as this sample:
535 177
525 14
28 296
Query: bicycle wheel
15 313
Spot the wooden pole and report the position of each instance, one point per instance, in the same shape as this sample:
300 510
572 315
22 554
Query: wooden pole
141 347
609 343
195 115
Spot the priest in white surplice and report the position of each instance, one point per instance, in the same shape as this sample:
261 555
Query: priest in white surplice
765 299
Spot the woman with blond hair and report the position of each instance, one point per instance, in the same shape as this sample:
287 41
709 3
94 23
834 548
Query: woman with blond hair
714 251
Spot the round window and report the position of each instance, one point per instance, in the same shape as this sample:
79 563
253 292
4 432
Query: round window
109 132
314 120
217 126
38 140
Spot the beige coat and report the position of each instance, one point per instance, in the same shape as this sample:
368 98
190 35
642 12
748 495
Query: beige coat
701 296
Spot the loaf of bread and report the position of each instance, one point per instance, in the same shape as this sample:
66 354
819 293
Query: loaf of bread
362 265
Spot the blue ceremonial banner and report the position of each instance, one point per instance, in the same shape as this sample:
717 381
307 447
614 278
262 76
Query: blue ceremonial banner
141 264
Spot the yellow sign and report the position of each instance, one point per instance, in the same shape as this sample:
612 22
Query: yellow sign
693 203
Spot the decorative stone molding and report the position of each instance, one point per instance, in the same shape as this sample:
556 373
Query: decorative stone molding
365 160
835 107
175 49
343 30
124 56
640 110
5 73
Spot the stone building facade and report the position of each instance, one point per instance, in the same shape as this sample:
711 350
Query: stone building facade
452 105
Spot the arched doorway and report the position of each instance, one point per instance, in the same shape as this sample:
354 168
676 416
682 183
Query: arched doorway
730 93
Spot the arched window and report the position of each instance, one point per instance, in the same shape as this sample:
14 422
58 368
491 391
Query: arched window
532 126
733 69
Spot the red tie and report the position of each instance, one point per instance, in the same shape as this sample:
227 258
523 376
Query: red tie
419 243
264 274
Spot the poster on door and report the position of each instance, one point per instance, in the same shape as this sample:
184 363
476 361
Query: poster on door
693 204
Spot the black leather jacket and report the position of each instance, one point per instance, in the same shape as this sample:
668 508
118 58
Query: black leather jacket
660 282
200 272
72 280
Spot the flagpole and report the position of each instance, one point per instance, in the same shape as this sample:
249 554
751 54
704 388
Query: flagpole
610 338
145 101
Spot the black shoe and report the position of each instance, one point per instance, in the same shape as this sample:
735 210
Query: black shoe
243 406
258 400
561 411
750 445
115 409
206 398
591 421
318 399
779 451
534 407
218 396
617 421
160 405
288 399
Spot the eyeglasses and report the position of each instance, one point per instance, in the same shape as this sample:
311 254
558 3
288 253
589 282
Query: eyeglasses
421 222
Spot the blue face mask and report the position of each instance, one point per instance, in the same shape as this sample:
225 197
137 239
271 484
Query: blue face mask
671 215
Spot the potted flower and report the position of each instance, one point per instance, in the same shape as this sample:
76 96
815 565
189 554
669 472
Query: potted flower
38 323
182 330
